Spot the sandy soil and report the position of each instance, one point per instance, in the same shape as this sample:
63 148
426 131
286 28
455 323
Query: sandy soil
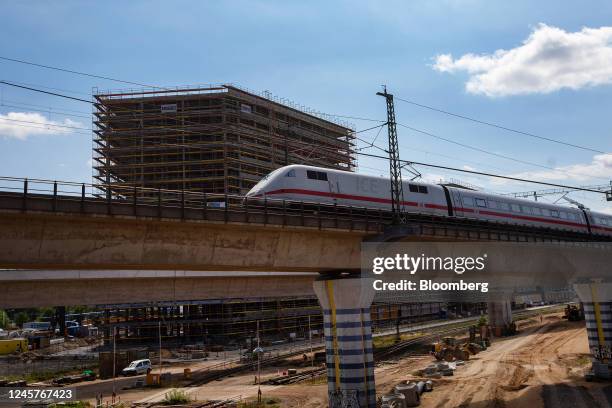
543 366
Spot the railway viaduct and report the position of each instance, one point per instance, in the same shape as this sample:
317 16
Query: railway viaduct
86 250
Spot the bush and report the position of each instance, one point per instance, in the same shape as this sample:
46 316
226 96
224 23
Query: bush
176 397
4 320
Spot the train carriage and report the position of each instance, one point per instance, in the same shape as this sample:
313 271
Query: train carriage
327 186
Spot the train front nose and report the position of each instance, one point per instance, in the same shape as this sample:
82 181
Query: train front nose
256 191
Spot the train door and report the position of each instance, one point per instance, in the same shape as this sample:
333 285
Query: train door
457 201
334 185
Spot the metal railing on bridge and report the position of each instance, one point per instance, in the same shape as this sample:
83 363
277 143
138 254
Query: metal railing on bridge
23 194
71 197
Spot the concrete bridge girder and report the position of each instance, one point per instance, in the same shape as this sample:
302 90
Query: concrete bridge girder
34 241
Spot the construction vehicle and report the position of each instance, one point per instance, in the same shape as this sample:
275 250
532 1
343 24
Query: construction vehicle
573 313
449 350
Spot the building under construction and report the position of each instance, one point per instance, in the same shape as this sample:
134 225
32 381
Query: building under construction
214 139
218 139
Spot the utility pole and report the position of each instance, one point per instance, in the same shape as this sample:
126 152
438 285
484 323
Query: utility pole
395 168
160 349
310 341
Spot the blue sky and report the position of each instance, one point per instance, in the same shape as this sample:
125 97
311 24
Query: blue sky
333 56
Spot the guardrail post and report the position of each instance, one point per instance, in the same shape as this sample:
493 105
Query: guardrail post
205 208
83 197
134 202
351 217
265 210
108 200
54 195
284 213
159 200
25 194
336 214
319 213
302 212
225 214
183 203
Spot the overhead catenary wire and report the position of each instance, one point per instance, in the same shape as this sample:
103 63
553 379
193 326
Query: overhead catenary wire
51 112
502 156
78 72
437 166
15 60
355 132
45 124
574 188
371 155
45 92
494 125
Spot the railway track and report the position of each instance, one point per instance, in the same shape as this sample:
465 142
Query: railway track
434 333
406 344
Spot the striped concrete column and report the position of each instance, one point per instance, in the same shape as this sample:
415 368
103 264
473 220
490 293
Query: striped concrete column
597 301
346 305
500 313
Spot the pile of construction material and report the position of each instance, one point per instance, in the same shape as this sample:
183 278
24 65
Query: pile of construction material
441 368
406 394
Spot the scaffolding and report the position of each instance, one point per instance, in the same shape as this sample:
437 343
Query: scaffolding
211 139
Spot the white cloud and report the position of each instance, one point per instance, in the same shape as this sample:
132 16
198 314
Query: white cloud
592 173
21 125
550 59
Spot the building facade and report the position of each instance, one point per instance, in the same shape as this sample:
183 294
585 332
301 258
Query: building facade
215 139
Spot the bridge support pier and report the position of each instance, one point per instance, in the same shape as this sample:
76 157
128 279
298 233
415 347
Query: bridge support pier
346 302
500 315
597 301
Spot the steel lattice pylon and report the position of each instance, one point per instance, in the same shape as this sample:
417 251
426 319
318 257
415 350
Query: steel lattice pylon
395 168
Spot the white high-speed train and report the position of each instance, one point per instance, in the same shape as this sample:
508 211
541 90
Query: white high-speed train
320 185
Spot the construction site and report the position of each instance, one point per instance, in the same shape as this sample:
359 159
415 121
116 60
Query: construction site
214 139
212 144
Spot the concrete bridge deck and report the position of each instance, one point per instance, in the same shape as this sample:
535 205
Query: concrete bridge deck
181 237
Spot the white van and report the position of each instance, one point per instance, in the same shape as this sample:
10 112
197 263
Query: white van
137 367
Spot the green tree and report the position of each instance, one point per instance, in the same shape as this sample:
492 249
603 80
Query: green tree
45 312
21 318
4 320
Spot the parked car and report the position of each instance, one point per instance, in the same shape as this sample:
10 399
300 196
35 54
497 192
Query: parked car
137 367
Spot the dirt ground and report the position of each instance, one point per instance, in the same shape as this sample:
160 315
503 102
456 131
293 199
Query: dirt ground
543 366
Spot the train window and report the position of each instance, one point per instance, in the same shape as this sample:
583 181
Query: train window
290 173
493 204
413 188
515 207
563 215
481 202
423 189
316 175
554 213
537 211
504 206
468 201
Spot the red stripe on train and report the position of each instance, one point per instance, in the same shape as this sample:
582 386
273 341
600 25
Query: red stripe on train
339 195
427 205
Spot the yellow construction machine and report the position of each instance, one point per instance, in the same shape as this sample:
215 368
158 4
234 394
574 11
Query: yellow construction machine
449 349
